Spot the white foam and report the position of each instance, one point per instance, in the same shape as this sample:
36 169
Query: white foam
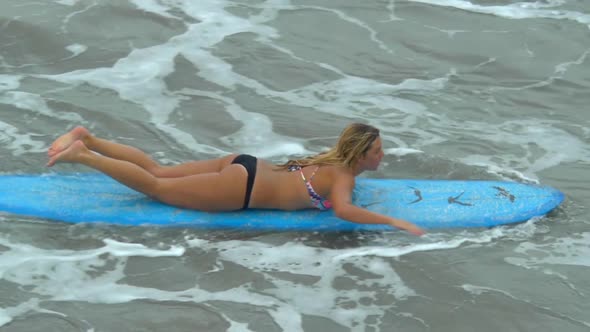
555 146
139 78
152 6
351 96
326 266
7 314
503 172
400 152
397 252
563 251
122 249
319 298
443 242
12 139
305 279
76 49
519 10
38 105
391 8
9 82
67 2
23 262
256 136
94 276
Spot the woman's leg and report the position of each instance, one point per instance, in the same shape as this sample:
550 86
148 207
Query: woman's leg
218 191
136 156
140 158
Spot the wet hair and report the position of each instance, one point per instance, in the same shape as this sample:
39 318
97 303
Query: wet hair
354 142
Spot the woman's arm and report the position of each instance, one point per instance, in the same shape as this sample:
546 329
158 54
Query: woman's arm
340 197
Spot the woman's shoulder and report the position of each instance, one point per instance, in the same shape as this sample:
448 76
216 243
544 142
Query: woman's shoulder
338 171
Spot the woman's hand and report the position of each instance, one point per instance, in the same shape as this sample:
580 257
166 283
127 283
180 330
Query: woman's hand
407 226
341 198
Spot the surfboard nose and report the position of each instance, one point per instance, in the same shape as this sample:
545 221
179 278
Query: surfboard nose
553 199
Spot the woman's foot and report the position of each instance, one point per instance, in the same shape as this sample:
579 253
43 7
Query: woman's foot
69 155
64 141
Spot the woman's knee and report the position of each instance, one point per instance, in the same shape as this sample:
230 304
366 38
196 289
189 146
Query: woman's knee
156 170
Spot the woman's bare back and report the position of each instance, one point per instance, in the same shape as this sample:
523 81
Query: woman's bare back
280 189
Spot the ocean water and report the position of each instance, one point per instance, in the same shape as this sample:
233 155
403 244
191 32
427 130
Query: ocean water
479 89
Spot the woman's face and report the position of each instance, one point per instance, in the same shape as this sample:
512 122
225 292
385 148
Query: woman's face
371 160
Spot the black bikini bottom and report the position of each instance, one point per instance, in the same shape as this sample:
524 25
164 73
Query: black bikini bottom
249 162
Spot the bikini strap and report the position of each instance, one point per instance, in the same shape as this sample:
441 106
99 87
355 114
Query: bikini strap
312 174
310 177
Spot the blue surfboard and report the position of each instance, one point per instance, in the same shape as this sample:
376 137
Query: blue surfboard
431 204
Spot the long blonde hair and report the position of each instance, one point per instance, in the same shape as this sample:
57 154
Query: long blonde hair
354 142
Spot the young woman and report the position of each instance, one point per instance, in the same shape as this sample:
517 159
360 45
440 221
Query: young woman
242 181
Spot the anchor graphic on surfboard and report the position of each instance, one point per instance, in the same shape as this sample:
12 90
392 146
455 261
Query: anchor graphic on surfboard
457 199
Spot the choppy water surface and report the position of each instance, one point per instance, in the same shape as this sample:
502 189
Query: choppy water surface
460 89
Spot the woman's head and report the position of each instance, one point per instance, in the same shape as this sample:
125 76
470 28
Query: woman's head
356 142
359 146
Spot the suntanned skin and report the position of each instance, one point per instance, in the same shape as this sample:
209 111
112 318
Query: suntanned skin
217 184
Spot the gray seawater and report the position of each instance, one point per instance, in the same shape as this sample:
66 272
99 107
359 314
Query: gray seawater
479 89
